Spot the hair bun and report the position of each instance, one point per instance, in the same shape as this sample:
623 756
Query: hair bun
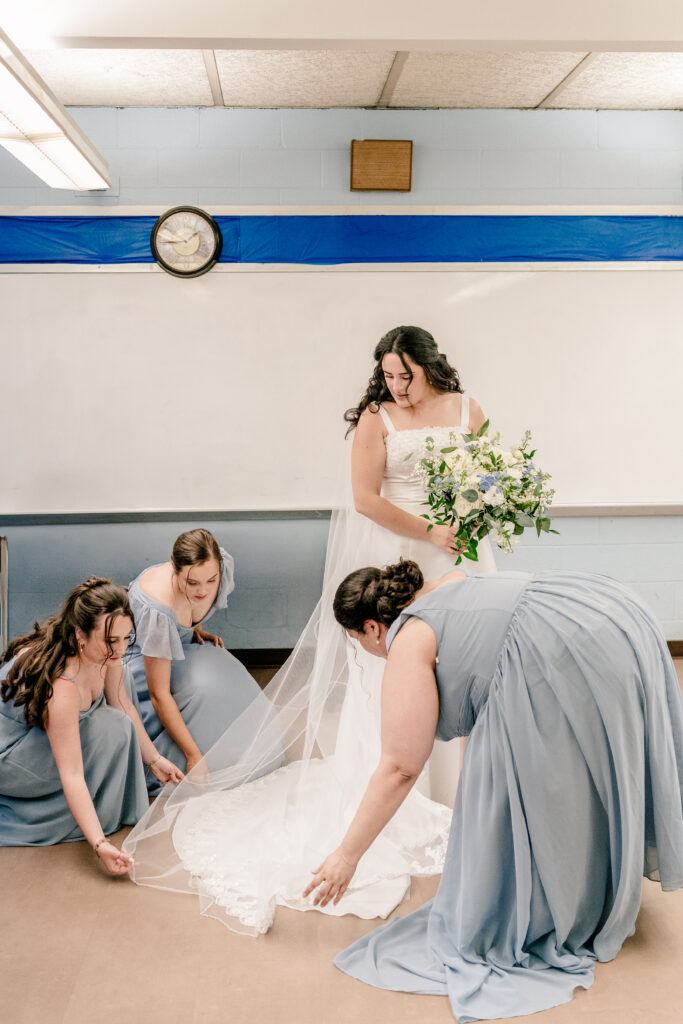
404 572
396 588
92 583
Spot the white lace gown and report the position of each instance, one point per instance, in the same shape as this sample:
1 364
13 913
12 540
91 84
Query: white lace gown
252 847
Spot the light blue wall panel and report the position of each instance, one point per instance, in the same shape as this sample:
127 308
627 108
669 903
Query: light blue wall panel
301 157
279 565
278 570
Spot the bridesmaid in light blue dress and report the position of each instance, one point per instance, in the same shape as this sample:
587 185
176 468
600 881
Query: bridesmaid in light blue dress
190 689
71 739
571 787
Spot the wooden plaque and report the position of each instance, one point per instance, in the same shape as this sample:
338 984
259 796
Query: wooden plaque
381 165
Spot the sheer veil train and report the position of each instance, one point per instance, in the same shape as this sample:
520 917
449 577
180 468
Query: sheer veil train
247 826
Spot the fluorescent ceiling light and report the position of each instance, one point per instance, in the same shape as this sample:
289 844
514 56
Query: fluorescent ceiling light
37 130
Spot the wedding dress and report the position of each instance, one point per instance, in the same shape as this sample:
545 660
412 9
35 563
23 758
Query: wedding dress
276 793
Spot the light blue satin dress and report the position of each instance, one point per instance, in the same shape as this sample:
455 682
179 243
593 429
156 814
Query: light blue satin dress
33 808
571 791
209 685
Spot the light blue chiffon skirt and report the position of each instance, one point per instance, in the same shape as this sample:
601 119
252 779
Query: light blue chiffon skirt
570 793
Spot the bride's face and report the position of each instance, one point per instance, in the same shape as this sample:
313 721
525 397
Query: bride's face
405 379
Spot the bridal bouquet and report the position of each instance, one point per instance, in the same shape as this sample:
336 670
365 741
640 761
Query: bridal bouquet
483 489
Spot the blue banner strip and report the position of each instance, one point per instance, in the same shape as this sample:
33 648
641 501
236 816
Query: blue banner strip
360 238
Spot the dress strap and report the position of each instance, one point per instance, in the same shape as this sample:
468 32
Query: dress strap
386 419
465 412
65 675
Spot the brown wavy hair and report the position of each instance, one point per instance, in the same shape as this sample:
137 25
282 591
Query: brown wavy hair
378 594
40 656
419 346
194 548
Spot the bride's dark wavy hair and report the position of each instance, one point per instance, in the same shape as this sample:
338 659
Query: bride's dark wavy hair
44 652
419 346
378 594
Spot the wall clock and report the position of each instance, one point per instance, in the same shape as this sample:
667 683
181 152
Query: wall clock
186 242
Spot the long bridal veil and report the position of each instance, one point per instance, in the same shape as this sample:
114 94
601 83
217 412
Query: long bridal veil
277 791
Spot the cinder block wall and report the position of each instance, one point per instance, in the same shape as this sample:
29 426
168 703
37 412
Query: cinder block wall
301 157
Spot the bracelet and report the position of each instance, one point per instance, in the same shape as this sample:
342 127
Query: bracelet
96 846
155 761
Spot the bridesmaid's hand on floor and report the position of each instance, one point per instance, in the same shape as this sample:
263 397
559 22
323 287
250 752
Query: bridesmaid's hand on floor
331 879
115 861
201 636
165 771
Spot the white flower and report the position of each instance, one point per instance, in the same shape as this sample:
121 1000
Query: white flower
463 506
503 538
494 496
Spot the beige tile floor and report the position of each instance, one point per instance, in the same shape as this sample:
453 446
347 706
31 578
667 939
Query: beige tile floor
78 947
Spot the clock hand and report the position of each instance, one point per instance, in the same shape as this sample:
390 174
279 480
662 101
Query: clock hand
176 238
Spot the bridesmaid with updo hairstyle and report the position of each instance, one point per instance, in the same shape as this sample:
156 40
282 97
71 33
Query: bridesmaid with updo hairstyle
571 787
189 687
70 737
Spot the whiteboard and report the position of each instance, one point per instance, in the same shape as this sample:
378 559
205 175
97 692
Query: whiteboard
139 391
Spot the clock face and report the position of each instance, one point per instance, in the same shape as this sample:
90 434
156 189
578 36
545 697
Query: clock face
186 242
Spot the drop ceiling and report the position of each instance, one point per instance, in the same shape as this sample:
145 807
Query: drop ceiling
329 78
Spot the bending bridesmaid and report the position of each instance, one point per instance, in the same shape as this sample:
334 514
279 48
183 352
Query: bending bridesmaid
70 738
571 788
189 687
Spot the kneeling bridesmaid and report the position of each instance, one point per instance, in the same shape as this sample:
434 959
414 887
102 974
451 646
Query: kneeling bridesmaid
189 687
70 738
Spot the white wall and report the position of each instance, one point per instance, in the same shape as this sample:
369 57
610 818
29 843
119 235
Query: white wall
140 391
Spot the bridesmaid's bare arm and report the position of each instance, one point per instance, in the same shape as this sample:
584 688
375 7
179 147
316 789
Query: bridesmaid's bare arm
158 672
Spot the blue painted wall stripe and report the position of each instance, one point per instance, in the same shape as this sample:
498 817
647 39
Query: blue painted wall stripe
362 238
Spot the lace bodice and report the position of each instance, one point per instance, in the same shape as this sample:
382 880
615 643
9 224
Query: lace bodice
402 483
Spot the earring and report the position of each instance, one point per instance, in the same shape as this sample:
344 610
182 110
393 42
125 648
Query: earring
81 645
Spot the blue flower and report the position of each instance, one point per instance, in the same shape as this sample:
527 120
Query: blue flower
488 481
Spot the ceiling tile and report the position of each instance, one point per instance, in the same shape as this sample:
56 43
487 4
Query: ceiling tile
626 81
480 79
124 78
302 78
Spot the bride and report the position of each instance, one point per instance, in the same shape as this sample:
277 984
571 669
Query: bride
278 790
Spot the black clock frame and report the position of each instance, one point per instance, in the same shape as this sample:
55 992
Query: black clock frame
218 238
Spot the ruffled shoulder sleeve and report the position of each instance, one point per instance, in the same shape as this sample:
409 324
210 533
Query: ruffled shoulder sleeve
156 631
